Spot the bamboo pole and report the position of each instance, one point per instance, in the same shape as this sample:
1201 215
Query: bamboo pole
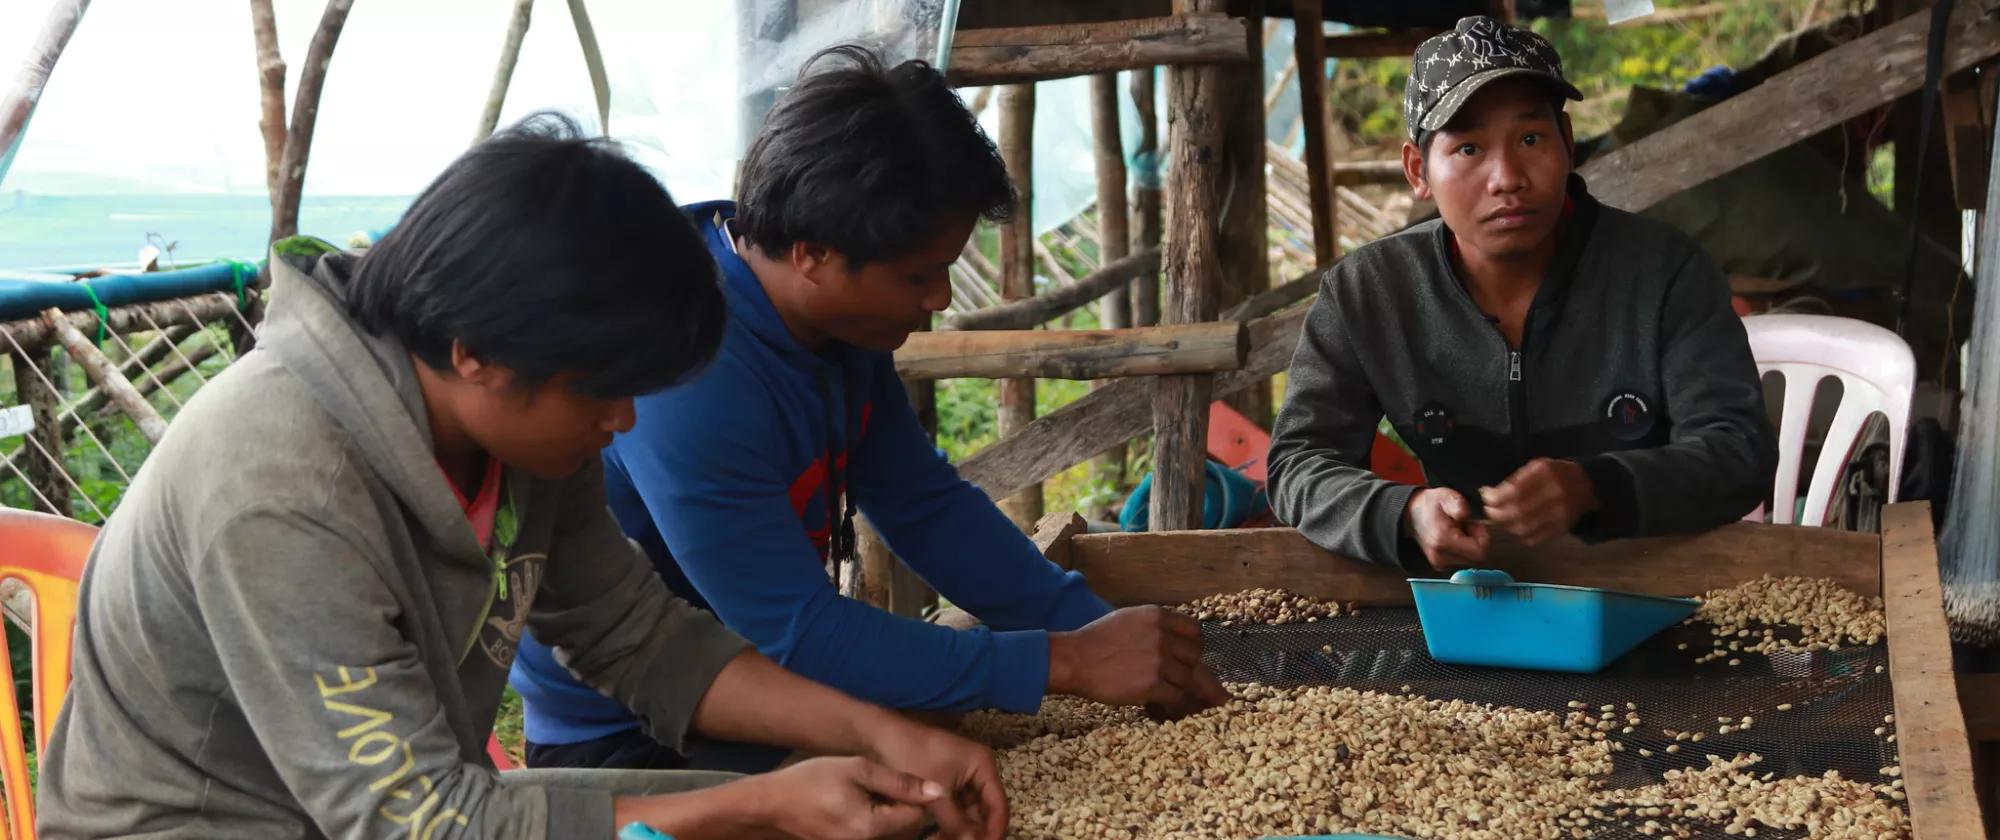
1017 271
103 372
503 74
1147 200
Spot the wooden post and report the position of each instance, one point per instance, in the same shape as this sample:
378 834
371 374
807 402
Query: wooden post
1147 199
1311 48
18 102
1017 271
1113 217
43 473
1201 103
1243 246
1114 235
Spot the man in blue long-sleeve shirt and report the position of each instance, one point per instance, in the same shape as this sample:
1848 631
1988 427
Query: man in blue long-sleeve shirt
859 192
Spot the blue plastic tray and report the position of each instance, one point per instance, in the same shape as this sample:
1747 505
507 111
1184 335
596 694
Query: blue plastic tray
1483 617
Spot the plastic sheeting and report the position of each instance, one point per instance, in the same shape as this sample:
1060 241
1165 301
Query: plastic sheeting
1969 545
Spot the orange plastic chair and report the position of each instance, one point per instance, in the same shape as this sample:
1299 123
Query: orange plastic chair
44 555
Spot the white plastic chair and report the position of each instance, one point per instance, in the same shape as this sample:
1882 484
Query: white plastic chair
1877 374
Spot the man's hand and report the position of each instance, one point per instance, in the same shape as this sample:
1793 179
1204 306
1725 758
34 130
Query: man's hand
816 799
1441 522
1136 656
972 805
1540 501
843 799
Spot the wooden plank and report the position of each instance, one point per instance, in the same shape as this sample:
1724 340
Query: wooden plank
1787 108
1034 53
1017 271
1935 753
1034 311
1401 43
1053 534
1114 414
1173 568
1075 354
1312 110
1363 173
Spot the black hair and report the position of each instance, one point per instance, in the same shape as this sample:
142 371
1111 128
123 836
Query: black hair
866 160
548 252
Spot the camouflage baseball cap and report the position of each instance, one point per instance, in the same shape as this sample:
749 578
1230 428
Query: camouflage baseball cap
1449 68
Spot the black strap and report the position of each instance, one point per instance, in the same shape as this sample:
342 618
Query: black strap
1933 76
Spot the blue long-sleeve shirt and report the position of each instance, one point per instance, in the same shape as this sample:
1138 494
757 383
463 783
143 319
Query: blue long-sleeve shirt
724 482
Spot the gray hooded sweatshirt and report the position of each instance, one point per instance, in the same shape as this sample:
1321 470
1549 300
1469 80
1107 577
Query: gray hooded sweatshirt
289 629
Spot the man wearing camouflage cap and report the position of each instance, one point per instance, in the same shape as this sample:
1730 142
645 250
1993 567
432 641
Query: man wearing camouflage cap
1558 366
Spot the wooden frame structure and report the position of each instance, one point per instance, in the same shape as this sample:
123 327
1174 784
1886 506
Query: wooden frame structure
1901 565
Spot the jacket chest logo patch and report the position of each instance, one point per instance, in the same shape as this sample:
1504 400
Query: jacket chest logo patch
1627 416
1434 424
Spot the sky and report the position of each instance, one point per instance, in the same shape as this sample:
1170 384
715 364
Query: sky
160 96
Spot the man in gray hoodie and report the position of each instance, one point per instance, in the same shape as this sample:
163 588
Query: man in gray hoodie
299 622
1557 365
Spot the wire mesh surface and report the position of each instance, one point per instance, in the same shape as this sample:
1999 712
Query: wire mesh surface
1838 698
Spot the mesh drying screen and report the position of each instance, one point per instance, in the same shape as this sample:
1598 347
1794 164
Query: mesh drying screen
1837 698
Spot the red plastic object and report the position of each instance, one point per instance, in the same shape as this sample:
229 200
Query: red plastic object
1239 444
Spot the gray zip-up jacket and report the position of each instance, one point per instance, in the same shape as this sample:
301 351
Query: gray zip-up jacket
289 630
1632 364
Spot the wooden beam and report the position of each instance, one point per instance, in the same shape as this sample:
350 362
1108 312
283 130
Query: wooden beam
1789 107
1053 534
1243 237
1933 748
1017 271
1074 354
1035 53
1400 43
1173 568
1034 311
1311 51
104 373
31 333
1114 414
1147 200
